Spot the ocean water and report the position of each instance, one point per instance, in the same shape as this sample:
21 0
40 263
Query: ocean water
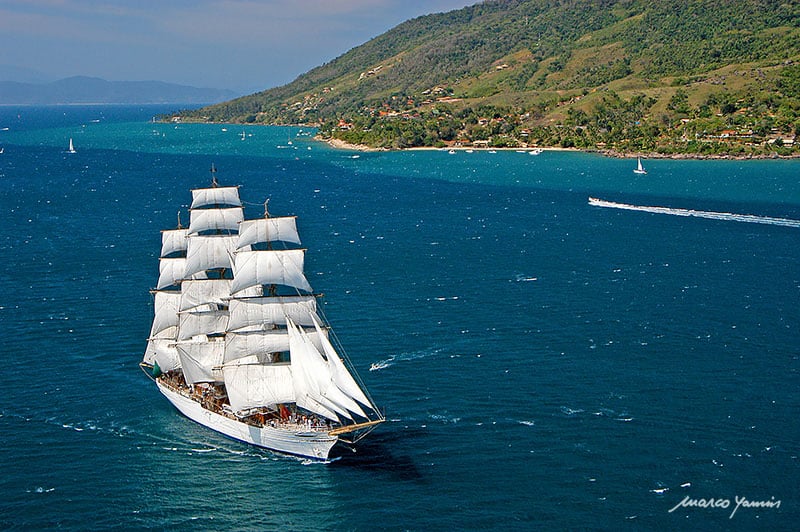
543 363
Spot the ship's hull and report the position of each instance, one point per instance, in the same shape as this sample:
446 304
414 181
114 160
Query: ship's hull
310 444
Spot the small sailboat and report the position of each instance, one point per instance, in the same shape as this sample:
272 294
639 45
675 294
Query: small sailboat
639 168
243 135
71 147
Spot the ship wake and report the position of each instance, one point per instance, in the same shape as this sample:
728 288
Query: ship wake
728 216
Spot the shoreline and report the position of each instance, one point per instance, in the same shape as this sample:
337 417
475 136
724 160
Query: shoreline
342 145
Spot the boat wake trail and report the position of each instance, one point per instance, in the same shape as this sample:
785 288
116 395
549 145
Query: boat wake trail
729 216
381 364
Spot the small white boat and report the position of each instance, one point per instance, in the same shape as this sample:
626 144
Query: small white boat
71 147
639 168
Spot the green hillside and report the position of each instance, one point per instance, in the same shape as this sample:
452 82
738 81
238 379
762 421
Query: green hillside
693 76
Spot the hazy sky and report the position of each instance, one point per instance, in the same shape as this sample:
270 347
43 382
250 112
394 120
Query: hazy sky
244 45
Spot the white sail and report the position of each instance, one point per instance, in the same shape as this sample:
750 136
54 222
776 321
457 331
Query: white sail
166 311
284 267
302 377
256 385
271 311
341 376
215 196
162 351
326 373
149 354
214 292
227 220
195 293
173 241
262 343
201 361
170 333
313 381
170 272
208 253
283 229
196 323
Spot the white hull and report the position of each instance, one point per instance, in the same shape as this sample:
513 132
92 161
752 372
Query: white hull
308 443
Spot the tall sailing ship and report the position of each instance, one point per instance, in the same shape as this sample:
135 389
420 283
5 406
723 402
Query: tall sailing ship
238 341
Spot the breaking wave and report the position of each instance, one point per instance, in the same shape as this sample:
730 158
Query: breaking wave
729 216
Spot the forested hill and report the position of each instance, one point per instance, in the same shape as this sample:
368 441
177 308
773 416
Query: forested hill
695 76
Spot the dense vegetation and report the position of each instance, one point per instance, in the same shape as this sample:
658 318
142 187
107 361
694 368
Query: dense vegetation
696 76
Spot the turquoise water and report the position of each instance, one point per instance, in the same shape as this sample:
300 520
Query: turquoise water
544 364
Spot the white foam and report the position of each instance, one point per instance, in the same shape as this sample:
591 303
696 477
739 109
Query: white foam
728 216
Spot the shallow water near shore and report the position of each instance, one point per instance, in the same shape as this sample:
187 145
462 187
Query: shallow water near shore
544 363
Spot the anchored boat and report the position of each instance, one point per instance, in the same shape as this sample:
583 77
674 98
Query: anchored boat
238 342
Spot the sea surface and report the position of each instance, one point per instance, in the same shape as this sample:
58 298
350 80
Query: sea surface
543 363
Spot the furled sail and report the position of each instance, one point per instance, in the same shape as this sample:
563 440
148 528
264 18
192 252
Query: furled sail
219 220
284 267
255 385
201 361
208 253
202 197
194 323
173 241
279 229
269 311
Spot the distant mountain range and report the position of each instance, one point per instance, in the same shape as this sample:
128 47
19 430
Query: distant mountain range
89 90
693 77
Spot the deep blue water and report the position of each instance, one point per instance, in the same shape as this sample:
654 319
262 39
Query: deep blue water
544 364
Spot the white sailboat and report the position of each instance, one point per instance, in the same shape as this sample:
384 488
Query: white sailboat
639 168
238 343
71 147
